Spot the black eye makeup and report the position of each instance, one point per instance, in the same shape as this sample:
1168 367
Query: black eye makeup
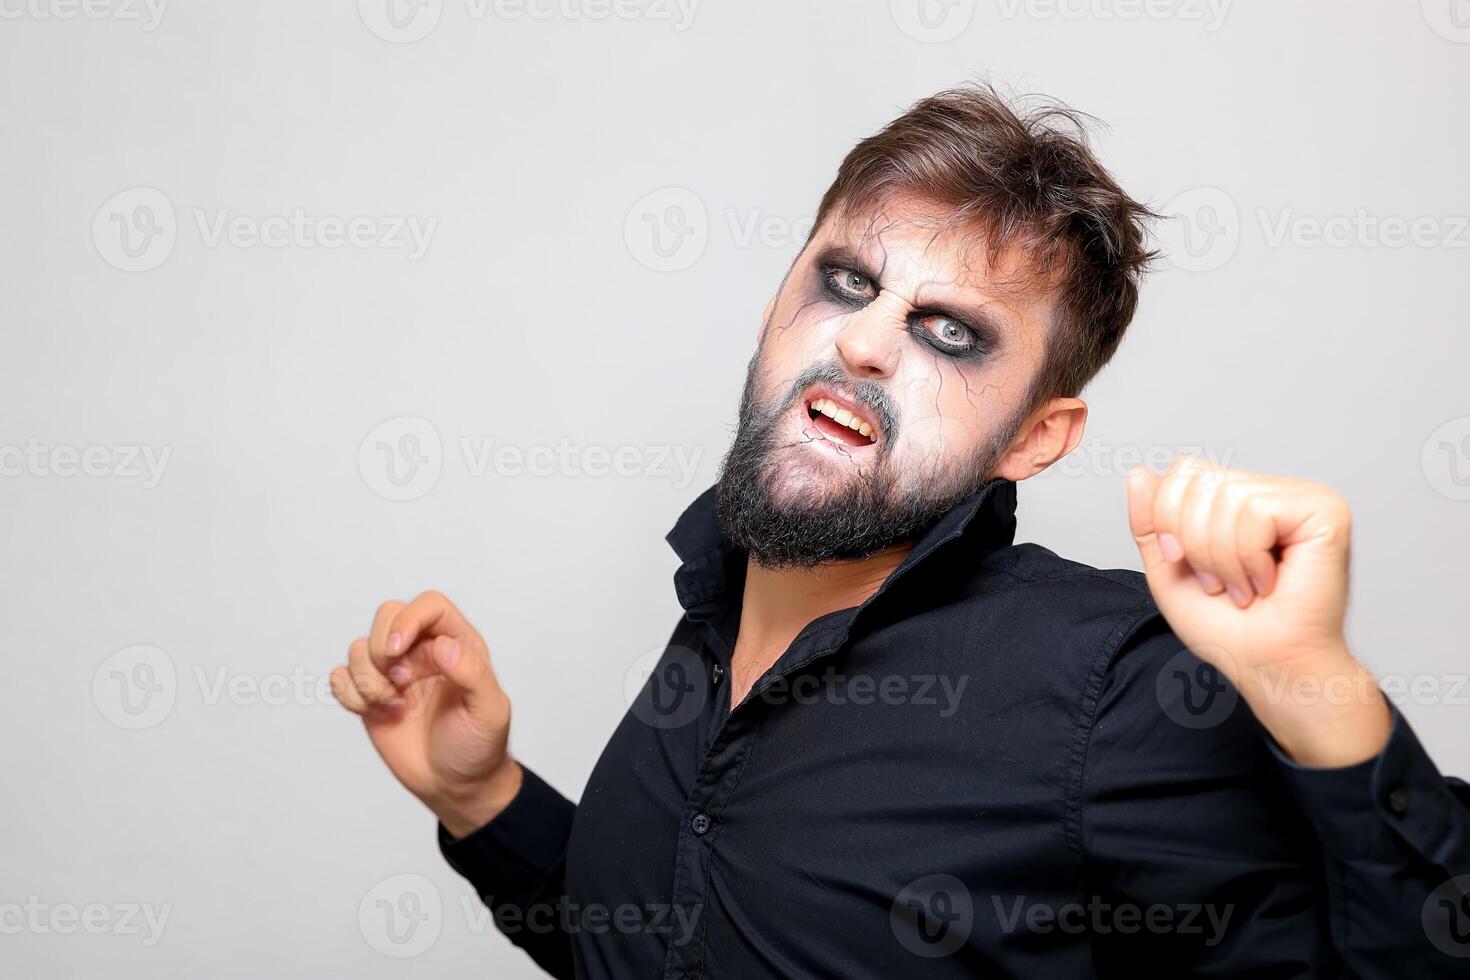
936 329
849 286
948 335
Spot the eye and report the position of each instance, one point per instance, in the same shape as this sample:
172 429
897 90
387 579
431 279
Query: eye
947 335
849 285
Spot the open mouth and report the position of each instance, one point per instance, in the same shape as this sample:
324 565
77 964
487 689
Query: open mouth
841 423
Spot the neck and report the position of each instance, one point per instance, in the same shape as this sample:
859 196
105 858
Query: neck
778 602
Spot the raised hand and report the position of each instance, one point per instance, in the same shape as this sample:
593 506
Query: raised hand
423 684
1251 573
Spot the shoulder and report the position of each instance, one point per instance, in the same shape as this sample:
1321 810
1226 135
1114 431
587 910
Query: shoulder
1065 619
1066 596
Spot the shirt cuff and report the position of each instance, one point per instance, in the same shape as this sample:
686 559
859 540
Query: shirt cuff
1370 809
513 853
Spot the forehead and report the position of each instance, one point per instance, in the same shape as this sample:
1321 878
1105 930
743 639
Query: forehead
912 246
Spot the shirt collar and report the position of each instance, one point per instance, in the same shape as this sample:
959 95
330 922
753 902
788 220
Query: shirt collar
986 518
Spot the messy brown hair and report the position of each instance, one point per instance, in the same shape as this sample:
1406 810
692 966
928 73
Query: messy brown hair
1021 175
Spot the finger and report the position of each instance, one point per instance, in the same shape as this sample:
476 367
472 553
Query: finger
1255 541
468 668
370 682
378 635
1224 543
1194 527
1143 484
417 664
1168 505
346 693
429 615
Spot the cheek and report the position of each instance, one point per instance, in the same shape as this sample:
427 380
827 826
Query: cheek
793 343
947 412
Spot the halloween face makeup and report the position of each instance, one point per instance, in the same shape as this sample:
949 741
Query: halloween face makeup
894 368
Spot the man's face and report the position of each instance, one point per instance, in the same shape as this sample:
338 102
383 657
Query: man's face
892 372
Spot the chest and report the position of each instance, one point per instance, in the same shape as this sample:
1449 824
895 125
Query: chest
849 786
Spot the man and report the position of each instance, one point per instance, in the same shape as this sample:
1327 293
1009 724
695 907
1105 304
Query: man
884 740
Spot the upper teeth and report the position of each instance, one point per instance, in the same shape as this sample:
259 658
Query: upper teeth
842 416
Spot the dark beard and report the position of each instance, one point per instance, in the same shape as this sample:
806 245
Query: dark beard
861 516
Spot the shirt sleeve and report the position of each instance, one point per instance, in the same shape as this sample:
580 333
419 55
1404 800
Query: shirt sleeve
1396 838
517 865
1256 866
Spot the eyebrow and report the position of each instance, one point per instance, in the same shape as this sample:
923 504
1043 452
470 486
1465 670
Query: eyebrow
980 318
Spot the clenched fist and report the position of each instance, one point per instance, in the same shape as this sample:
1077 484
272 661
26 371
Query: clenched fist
422 682
1251 573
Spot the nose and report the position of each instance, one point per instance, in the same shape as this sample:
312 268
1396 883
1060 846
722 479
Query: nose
869 341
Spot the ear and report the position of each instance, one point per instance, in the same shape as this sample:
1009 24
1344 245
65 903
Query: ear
1052 431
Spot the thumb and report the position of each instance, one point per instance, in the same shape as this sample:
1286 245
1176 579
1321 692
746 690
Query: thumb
470 672
1143 484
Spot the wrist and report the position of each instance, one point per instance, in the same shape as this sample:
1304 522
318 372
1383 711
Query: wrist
1324 710
464 811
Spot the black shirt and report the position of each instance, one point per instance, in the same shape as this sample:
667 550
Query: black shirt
1002 764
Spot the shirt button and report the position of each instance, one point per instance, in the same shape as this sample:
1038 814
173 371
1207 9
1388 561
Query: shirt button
1398 802
700 824
717 674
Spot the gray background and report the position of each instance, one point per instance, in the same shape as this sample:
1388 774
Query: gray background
224 785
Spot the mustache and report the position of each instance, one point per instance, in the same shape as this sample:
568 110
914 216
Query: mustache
869 394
